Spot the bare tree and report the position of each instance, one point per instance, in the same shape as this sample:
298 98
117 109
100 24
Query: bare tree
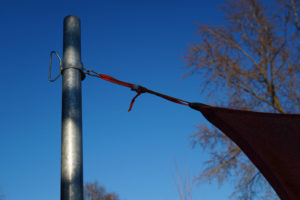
93 191
184 184
250 63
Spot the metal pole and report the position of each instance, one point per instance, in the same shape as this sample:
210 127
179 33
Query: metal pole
71 139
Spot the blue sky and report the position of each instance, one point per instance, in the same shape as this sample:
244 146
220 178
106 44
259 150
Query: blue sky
132 154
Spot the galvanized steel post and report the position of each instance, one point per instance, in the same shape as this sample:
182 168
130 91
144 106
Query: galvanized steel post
71 139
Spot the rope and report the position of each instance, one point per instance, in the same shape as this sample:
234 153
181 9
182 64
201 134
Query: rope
139 89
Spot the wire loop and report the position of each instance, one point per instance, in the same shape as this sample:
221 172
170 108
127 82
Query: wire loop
50 66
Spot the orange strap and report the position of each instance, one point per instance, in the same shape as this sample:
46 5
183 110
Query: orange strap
139 89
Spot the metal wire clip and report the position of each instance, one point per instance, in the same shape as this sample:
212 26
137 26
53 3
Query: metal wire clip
50 66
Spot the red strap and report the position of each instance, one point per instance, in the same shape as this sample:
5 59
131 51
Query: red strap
113 80
140 90
132 101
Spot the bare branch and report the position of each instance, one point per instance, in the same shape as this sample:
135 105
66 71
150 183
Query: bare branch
295 14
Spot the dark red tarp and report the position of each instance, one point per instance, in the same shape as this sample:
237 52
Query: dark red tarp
271 141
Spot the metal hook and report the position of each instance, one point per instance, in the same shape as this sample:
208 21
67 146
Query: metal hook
50 66
90 72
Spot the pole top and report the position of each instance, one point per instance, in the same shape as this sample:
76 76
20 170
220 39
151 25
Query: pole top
71 17
72 22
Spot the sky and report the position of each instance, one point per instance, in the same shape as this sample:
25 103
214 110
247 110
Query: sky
133 154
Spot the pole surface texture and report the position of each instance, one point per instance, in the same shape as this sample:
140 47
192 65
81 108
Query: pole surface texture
71 138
